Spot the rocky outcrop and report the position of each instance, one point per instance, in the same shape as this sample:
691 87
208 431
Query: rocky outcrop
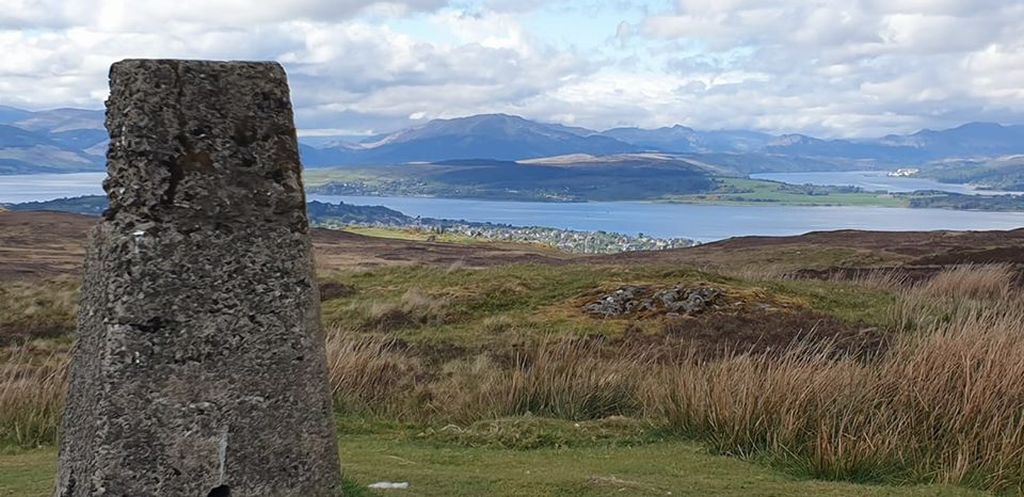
675 301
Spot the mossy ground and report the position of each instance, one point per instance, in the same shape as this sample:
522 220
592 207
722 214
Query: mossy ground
509 304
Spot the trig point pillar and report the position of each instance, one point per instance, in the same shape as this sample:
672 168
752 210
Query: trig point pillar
200 368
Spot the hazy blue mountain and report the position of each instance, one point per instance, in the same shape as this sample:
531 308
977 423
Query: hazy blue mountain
742 164
669 139
682 139
332 141
85 140
58 120
734 140
491 136
58 140
968 140
11 136
23 151
74 139
9 115
806 146
313 156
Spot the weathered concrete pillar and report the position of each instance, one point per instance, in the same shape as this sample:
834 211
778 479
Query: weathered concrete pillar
200 368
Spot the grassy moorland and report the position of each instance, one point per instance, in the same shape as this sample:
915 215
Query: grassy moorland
1004 173
493 381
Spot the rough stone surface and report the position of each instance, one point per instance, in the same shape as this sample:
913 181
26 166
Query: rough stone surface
646 301
200 368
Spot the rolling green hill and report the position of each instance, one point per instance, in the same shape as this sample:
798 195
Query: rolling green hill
1005 174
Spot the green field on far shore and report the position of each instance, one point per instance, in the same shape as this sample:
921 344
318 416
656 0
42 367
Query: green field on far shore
743 191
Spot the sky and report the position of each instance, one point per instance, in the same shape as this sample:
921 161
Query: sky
841 68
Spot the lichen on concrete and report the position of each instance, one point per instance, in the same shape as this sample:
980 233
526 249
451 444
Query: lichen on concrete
200 367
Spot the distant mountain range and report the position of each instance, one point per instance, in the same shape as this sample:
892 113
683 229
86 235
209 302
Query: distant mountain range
67 140
504 137
51 141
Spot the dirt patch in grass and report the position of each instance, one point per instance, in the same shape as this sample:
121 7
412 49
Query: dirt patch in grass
335 290
907 274
45 309
994 255
772 331
735 321
845 248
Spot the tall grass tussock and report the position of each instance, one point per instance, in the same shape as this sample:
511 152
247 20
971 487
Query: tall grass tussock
32 387
944 402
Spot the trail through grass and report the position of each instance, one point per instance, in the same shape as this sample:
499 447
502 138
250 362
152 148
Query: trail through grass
658 469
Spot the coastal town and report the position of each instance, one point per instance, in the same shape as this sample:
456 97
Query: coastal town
573 241
345 216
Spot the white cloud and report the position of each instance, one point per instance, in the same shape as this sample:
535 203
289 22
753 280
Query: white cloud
853 66
369 70
844 67
145 15
356 73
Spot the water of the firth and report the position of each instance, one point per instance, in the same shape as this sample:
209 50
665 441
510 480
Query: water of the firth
700 222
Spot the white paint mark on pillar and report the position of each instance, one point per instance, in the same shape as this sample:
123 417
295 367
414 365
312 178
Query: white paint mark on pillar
223 452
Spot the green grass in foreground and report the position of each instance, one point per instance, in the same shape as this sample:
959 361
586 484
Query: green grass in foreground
663 468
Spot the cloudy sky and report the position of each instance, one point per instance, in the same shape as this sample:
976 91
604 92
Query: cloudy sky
832 68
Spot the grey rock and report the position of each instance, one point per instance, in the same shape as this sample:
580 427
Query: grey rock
670 302
200 368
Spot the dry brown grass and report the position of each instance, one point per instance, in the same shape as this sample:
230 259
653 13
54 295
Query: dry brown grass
944 403
750 272
941 406
968 290
30 310
32 386
568 378
370 375
414 308
971 281
880 279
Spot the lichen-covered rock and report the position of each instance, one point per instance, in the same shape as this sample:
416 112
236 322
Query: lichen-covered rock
640 300
200 368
